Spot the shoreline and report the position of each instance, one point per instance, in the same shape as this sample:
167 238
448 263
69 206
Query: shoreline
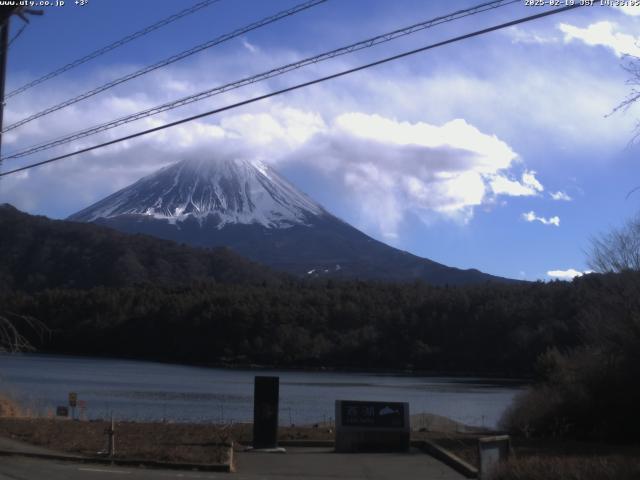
499 378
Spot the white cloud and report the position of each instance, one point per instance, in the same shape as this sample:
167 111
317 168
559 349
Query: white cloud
632 10
560 196
249 46
527 187
529 179
519 35
282 127
567 274
486 152
393 167
602 34
532 217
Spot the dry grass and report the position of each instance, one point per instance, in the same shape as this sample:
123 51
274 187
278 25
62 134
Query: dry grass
153 441
569 468
171 442
9 408
550 458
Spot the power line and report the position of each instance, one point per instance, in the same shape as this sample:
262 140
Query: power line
370 42
112 46
18 33
299 86
174 58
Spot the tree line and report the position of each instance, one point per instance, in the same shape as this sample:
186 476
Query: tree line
491 329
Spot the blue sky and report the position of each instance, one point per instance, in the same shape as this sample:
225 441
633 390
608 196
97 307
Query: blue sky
493 153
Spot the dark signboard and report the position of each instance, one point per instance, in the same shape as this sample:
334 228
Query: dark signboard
372 414
363 426
73 399
62 411
265 412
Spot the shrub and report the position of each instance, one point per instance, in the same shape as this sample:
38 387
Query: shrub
568 468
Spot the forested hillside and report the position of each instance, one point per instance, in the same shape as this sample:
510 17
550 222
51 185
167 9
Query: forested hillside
493 329
39 253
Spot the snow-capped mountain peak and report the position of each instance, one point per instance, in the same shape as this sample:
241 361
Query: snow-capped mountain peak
248 207
229 191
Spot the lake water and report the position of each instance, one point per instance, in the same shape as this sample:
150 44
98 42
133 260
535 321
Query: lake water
137 390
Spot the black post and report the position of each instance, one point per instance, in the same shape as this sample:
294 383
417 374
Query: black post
4 49
265 412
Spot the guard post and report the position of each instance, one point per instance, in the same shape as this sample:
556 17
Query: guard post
265 412
73 401
491 452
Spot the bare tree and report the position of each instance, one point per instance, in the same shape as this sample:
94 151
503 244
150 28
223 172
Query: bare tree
631 64
618 250
12 339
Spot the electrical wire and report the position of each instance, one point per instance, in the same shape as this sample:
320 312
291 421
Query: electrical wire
18 33
299 86
370 42
168 61
112 46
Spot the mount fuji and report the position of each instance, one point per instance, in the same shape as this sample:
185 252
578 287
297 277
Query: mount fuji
250 208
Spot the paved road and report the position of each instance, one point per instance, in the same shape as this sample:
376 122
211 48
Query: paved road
22 468
11 445
324 464
297 463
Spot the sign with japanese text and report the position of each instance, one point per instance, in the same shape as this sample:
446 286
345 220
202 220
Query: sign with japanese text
372 414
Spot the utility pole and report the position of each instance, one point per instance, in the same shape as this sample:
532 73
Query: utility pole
4 50
5 18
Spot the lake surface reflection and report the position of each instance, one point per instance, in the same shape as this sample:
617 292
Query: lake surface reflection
138 390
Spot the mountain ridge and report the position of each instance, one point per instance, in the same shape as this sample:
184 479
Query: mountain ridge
250 208
41 253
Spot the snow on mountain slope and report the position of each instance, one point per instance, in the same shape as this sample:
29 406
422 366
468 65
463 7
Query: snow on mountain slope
249 208
230 191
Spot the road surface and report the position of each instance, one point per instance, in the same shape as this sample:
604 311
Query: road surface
297 463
